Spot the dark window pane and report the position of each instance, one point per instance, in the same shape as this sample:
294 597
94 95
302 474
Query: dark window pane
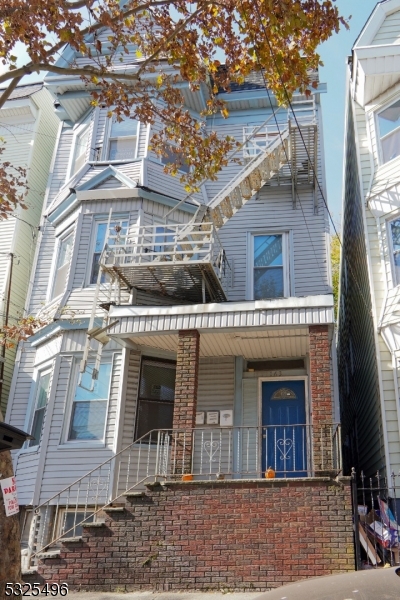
268 283
157 382
37 427
153 415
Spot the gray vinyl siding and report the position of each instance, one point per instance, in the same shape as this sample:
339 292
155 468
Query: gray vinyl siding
359 390
272 212
216 391
249 439
66 462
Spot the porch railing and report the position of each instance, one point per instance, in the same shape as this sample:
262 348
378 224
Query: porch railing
205 453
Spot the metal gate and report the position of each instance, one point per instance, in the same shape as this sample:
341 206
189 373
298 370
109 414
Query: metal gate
376 510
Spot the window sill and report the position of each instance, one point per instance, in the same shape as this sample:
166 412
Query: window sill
114 162
81 445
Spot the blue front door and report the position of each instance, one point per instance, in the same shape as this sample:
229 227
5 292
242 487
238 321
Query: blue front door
284 431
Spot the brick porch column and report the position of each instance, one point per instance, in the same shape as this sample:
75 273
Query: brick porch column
187 375
321 399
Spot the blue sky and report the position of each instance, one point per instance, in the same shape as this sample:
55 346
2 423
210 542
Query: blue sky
334 53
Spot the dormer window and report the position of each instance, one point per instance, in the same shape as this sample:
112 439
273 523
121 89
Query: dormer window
389 131
122 139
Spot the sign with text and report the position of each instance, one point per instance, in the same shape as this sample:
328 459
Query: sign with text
9 489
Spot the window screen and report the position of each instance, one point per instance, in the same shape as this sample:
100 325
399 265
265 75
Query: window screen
156 396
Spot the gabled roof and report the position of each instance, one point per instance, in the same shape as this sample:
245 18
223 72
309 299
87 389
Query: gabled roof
24 91
91 178
376 53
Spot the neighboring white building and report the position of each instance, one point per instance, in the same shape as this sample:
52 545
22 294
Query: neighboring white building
28 127
218 308
369 315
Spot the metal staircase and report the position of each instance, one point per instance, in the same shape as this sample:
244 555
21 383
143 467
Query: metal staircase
188 262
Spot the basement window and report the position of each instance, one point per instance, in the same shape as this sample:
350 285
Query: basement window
389 131
156 396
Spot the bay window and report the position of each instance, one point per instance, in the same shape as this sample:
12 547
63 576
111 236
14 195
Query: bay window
389 131
64 254
122 139
116 234
41 397
90 403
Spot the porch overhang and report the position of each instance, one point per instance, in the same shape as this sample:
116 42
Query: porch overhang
275 328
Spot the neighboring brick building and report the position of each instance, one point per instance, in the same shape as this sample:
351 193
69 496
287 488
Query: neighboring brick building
192 338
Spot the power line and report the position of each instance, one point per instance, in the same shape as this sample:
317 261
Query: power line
284 148
315 175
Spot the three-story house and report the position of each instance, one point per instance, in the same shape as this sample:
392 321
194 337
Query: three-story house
190 342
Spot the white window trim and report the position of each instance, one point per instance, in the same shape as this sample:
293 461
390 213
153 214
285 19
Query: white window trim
378 133
45 368
59 239
286 259
106 145
65 442
77 131
97 220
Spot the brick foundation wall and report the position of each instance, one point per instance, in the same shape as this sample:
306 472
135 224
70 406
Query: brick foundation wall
253 535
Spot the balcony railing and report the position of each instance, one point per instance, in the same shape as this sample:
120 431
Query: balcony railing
180 260
206 453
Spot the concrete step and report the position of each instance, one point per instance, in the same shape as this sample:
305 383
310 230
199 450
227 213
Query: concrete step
134 494
48 554
94 525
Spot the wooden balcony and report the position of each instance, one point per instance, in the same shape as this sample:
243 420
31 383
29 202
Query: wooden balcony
185 262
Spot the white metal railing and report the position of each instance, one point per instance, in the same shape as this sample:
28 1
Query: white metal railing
205 452
256 140
169 245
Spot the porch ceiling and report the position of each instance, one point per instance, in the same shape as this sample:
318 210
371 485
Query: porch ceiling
276 343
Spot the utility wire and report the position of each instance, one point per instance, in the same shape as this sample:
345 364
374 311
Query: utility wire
283 146
369 309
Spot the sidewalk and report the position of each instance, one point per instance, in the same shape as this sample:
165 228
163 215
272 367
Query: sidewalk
162 596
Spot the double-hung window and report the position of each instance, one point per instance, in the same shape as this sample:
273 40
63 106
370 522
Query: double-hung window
89 404
116 235
122 139
389 131
80 148
64 254
156 396
268 272
394 231
41 397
